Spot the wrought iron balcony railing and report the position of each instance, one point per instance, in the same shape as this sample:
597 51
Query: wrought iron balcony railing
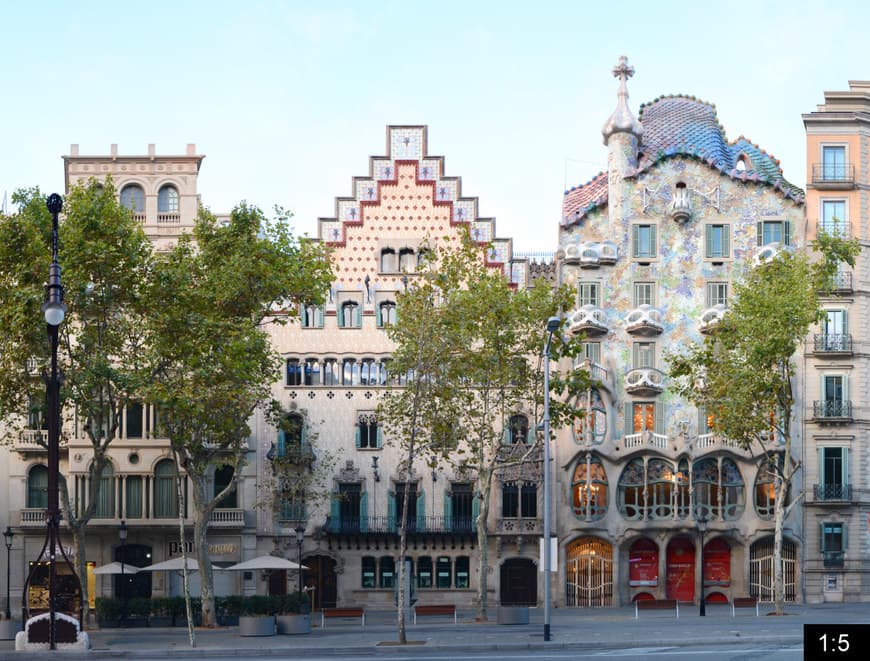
832 343
831 492
833 558
833 409
390 525
834 173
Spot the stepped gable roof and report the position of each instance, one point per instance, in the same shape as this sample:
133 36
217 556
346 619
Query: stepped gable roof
580 200
680 125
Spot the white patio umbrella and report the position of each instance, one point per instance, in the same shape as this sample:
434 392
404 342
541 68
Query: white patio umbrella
264 562
116 568
175 564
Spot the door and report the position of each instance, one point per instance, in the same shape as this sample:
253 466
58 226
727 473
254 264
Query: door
278 582
519 583
322 577
589 573
681 570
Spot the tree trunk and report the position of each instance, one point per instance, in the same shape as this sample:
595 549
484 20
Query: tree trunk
78 534
485 487
403 549
191 633
206 573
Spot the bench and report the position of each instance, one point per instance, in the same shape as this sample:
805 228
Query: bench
342 612
656 605
439 609
744 602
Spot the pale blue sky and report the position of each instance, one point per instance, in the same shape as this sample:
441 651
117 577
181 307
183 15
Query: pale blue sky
287 100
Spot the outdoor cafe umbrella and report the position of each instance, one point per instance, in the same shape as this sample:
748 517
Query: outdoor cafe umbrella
175 564
264 562
116 568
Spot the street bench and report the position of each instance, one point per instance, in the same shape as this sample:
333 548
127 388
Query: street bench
329 613
744 602
656 605
435 609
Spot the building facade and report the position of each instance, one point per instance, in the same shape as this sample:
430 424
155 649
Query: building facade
652 247
835 417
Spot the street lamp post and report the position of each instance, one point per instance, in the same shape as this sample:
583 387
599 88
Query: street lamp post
552 326
7 538
702 528
122 551
300 537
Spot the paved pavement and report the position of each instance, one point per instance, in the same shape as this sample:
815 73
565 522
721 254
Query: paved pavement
589 629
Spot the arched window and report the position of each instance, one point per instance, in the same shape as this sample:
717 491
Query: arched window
133 198
706 485
350 372
223 475
351 315
167 199
37 487
683 496
631 504
407 262
592 426
165 494
386 314
732 490
765 490
106 494
424 255
388 261
518 430
660 489
291 433
589 489
311 316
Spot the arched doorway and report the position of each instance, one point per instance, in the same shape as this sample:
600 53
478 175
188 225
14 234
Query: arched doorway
589 572
717 565
643 564
519 583
321 576
133 585
761 569
681 570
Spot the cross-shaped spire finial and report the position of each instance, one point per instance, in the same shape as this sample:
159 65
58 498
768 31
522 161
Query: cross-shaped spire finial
623 70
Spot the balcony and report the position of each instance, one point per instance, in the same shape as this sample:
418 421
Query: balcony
35 440
829 176
388 525
713 441
597 372
840 229
590 320
644 381
231 517
645 320
524 526
841 283
832 492
833 410
711 317
833 558
766 253
833 344
591 254
645 438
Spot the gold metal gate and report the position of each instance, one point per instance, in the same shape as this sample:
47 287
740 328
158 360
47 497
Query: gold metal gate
589 573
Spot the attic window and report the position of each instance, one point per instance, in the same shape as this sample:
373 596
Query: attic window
743 163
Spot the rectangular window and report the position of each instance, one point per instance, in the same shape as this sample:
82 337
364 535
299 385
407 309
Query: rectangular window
368 433
388 572
311 316
834 396
350 496
424 572
834 217
643 417
833 468
368 572
592 351
443 573
294 372
773 231
529 501
510 501
133 496
588 293
833 543
644 293
643 241
834 163
717 293
461 506
462 567
836 331
718 241
330 372
350 372
133 416
643 355
312 372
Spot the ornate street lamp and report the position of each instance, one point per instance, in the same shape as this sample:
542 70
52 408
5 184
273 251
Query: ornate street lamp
300 537
552 326
7 538
702 528
122 536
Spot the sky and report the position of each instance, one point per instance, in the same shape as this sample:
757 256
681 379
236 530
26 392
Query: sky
288 100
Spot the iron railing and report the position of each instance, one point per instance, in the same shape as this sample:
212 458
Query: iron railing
833 173
833 491
832 343
832 408
833 558
390 525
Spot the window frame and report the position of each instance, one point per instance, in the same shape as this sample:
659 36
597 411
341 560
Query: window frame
167 203
648 298
721 251
639 251
588 293
716 293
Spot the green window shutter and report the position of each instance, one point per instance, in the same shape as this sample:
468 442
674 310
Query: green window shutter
635 353
448 511
303 440
660 418
822 477
357 433
708 235
358 316
282 442
822 537
845 539
378 318
759 233
845 455
335 509
629 421
726 240
530 435
652 240
391 511
506 435
635 241
318 317
364 512
786 232
421 511
475 509
339 313
380 437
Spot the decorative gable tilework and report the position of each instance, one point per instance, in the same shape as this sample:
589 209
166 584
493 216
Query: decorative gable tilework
580 200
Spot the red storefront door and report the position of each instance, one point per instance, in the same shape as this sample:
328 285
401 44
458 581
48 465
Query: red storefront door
681 570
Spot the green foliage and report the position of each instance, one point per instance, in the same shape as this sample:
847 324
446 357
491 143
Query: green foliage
258 604
291 603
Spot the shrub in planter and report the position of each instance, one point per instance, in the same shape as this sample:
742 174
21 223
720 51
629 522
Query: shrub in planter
293 613
160 615
109 611
257 616
228 609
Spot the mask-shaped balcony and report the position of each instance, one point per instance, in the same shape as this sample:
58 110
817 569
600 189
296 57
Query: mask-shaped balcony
644 320
644 381
608 252
767 253
590 319
710 318
681 209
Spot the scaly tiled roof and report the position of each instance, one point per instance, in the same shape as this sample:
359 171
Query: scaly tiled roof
685 126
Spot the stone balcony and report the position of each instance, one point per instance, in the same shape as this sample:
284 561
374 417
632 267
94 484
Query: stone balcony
645 320
644 381
711 317
589 319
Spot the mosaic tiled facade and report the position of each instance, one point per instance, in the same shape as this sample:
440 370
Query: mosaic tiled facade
652 247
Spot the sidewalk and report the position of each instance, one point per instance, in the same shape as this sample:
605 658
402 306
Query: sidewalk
573 628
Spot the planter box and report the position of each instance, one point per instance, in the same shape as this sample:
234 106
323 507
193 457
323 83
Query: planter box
8 629
160 621
294 623
256 625
513 614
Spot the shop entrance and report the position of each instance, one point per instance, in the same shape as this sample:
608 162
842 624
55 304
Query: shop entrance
321 576
681 570
519 583
590 573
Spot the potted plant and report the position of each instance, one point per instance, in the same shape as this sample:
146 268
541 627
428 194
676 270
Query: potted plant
109 612
257 616
160 615
228 609
137 611
293 613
